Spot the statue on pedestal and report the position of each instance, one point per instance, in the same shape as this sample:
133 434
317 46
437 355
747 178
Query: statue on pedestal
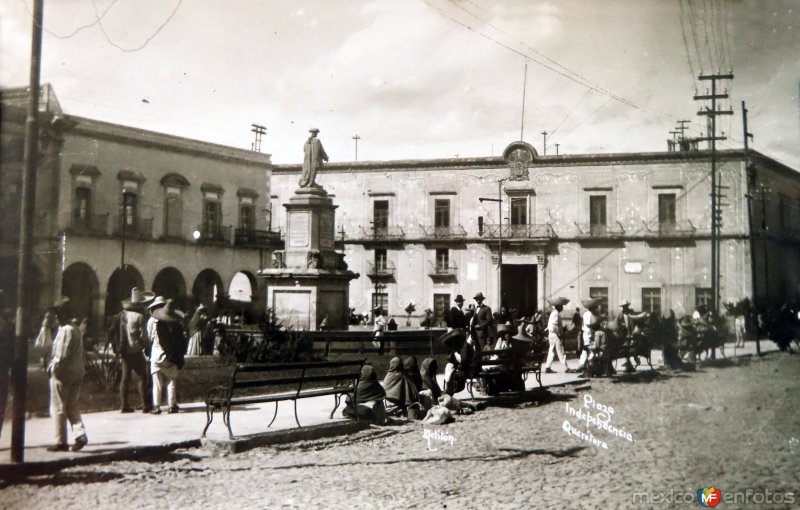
312 160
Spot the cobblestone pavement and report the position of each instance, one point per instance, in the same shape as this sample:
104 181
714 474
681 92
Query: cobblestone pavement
734 426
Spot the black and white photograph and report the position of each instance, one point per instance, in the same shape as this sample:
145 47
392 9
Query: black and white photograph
457 254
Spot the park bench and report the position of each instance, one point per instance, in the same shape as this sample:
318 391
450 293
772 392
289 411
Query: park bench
292 381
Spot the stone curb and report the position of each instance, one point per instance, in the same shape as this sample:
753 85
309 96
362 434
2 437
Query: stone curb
240 444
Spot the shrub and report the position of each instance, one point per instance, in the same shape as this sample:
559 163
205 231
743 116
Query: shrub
275 344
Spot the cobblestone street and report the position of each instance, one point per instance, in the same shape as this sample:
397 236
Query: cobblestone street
733 426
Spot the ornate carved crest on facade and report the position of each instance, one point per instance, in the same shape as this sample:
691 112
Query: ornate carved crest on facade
519 156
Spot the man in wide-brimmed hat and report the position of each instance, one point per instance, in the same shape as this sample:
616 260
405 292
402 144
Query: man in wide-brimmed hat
133 344
555 329
482 322
66 371
167 354
590 324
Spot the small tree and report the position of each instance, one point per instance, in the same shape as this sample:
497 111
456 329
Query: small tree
409 309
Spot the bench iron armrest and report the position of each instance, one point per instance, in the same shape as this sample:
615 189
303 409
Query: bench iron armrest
219 394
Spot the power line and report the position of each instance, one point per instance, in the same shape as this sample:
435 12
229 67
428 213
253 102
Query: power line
574 108
528 57
685 42
80 28
146 41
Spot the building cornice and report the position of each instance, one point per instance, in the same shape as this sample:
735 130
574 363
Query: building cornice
151 139
565 160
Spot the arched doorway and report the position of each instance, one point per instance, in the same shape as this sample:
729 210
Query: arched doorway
79 283
169 283
208 290
241 297
119 288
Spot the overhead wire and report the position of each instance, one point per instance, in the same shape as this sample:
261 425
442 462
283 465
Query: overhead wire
574 108
682 15
80 28
146 41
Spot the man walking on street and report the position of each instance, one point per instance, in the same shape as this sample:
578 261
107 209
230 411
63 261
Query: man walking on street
555 330
167 355
133 346
482 322
66 369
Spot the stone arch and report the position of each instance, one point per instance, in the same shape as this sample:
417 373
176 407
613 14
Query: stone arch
243 296
208 290
169 282
119 287
79 283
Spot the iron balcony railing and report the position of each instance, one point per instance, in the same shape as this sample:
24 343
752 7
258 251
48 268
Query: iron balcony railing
214 234
253 237
382 233
669 228
139 228
449 232
601 231
441 269
532 231
380 269
91 224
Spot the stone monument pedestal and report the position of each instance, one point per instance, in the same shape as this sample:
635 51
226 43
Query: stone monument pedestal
309 281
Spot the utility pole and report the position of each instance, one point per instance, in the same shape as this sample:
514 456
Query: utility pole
19 369
499 201
356 138
712 114
751 184
682 128
557 148
524 86
258 131
544 144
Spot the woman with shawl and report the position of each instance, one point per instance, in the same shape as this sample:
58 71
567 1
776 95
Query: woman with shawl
369 395
400 390
411 368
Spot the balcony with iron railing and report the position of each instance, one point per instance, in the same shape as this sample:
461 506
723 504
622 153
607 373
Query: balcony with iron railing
91 224
381 271
139 228
382 233
543 231
443 233
213 234
600 231
442 270
669 229
257 238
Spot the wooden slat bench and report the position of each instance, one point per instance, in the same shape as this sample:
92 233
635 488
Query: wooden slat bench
514 363
342 376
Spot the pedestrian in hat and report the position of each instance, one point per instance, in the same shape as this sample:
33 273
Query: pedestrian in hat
455 317
167 354
66 369
590 323
482 322
197 328
378 328
555 330
133 344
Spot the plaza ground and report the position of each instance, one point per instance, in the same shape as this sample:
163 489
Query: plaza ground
731 424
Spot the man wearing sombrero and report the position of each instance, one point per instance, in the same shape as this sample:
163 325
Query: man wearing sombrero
133 346
167 355
66 371
554 331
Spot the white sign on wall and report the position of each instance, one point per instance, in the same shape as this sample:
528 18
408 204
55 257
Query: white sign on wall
633 267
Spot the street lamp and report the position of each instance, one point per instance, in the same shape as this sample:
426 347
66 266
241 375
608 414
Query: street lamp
499 201
124 219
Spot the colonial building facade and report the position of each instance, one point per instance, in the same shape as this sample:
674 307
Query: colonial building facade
118 207
522 227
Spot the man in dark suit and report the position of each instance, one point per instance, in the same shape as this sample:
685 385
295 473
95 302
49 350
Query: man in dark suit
482 322
456 318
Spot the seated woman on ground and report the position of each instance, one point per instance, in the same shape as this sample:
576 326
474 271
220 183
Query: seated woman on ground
370 395
400 389
431 391
411 368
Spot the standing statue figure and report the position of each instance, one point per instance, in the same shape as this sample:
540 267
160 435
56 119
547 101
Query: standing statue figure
312 160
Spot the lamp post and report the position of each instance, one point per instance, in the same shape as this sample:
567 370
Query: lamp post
499 201
124 226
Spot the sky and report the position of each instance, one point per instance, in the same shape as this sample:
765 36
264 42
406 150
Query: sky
419 78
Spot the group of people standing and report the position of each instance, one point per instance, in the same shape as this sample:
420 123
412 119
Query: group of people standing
149 339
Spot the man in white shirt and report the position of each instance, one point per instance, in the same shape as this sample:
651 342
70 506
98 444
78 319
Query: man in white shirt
554 331
589 326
